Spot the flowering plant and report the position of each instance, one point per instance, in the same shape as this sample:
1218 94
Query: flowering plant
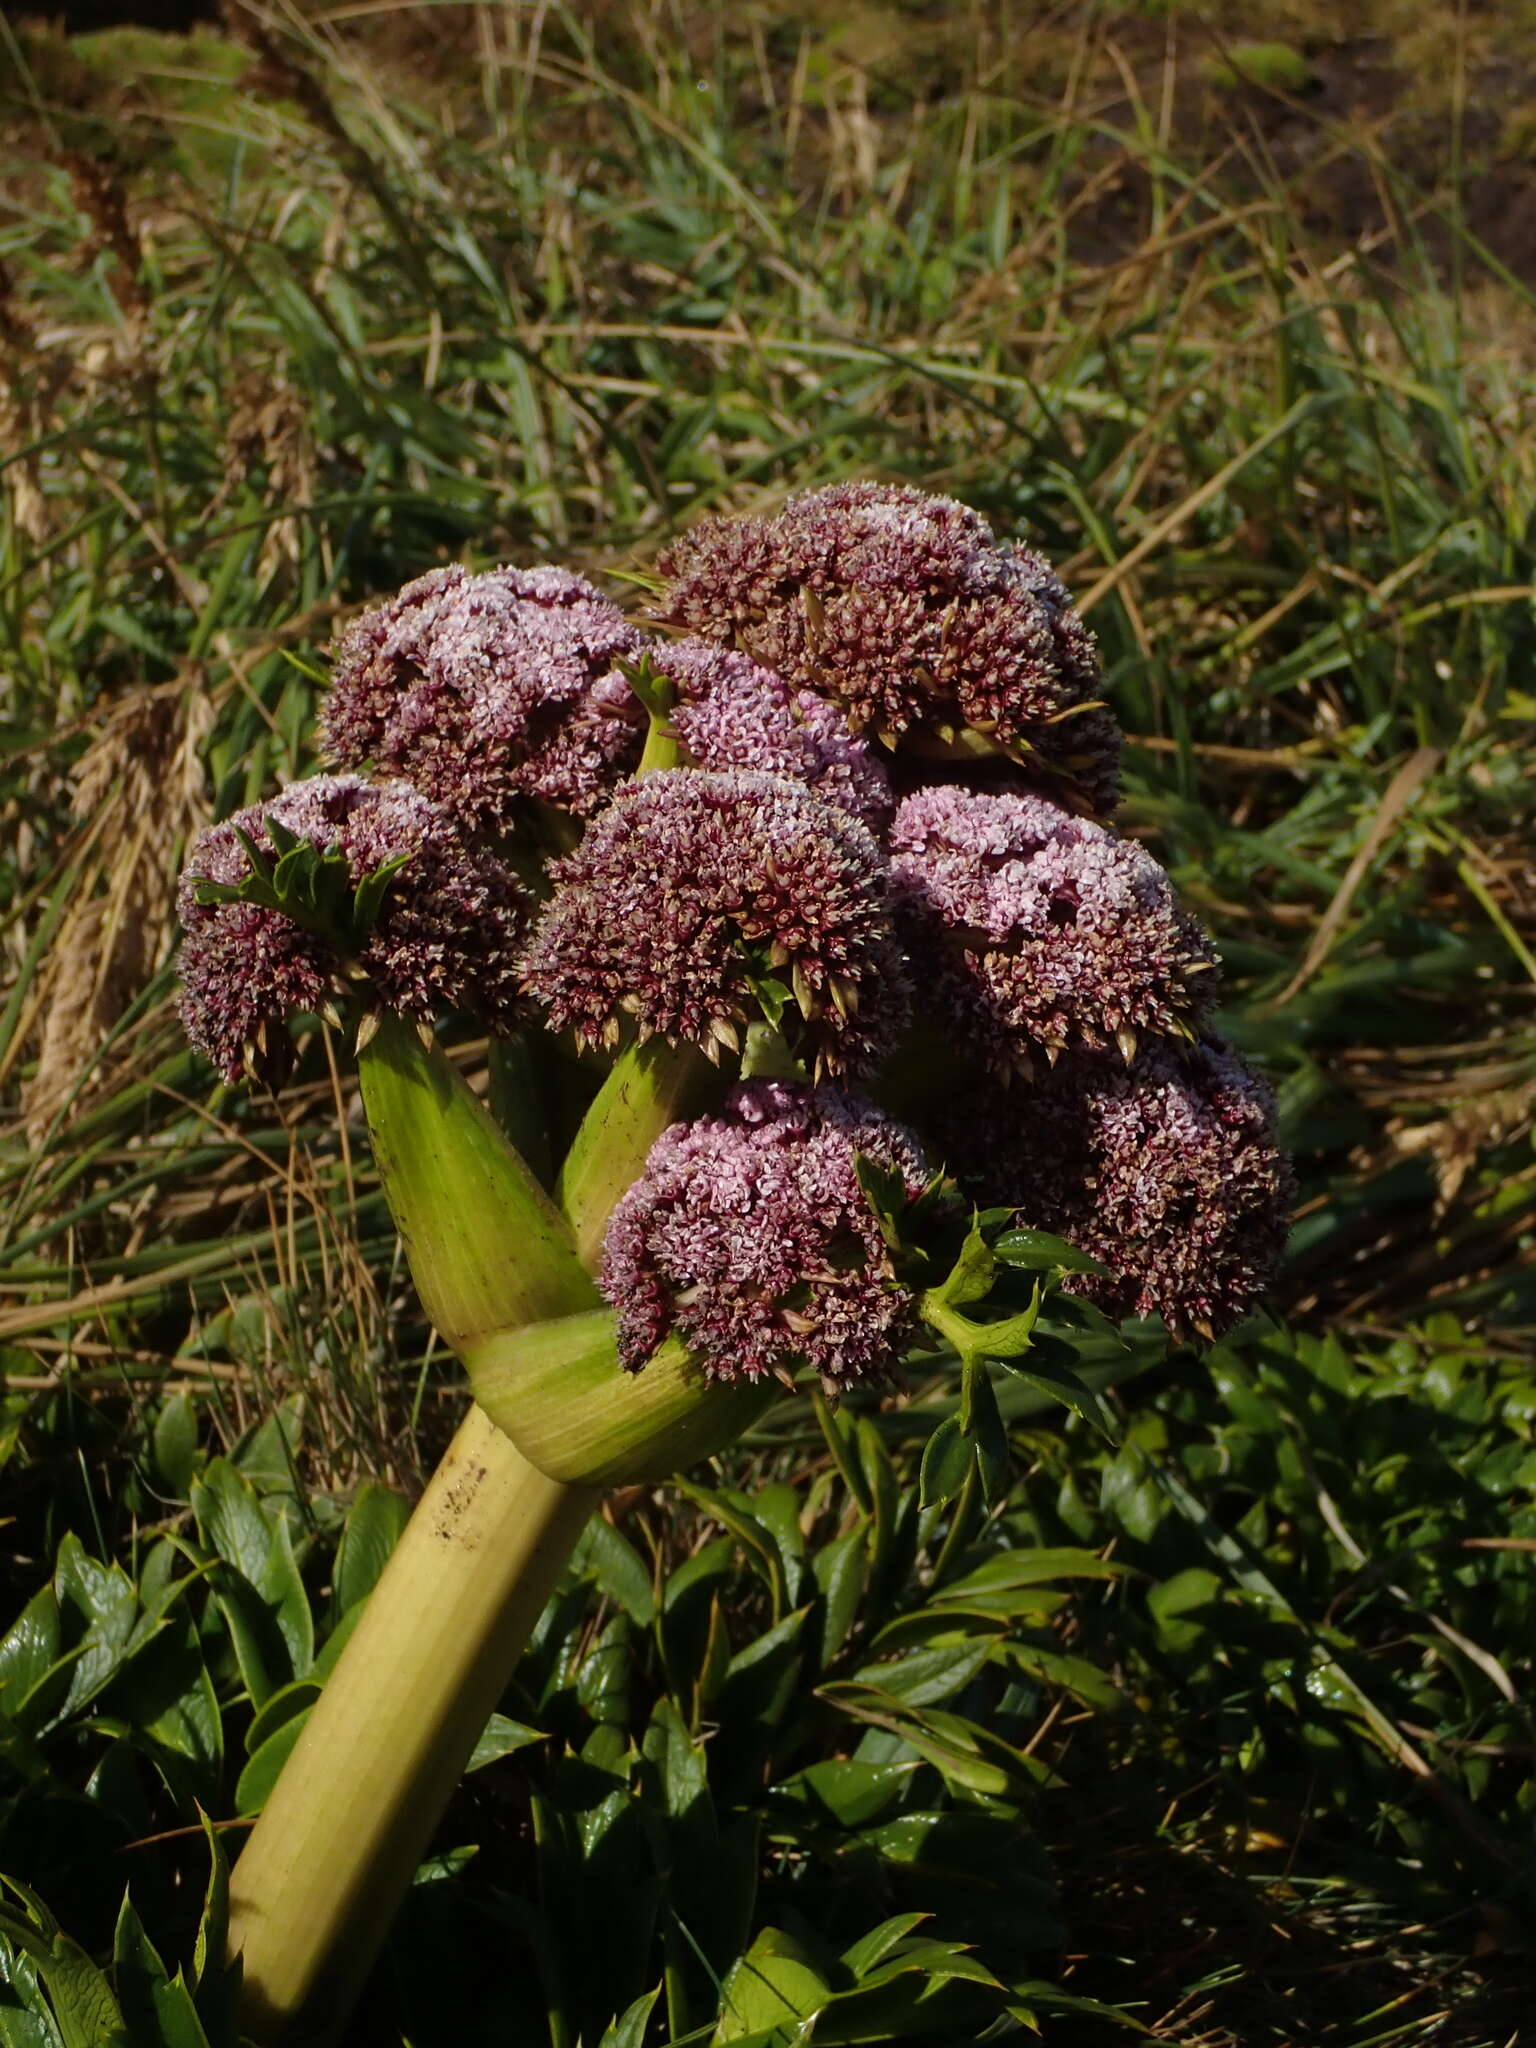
889 1033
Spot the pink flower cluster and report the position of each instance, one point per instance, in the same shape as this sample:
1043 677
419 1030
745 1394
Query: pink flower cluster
749 1235
693 892
904 609
487 690
1042 930
882 852
1165 1170
447 935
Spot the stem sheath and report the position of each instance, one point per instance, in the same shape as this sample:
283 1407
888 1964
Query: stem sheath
329 1861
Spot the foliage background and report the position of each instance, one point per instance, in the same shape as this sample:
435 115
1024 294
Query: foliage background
1221 1726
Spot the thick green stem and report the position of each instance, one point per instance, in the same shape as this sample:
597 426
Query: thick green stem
649 1087
499 1273
488 1248
577 1414
329 1861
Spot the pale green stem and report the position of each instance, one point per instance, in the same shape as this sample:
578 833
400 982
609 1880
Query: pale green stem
649 1087
324 1871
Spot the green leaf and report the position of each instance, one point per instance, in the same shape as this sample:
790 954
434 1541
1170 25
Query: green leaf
970 1278
213 1922
1005 1569
849 1791
990 1438
254 1786
175 1445
230 1519
618 1569
1071 1392
949 1457
501 1737
283 1588
84 2009
104 1599
371 892
885 1190
774 1983
628 2031
1038 1251
840 1569
872 1949
279 1707
760 1544
156 2008
30 1648
371 1531
760 1680
926 1677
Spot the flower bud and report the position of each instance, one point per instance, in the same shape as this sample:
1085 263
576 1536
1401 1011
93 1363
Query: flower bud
903 608
731 712
1166 1171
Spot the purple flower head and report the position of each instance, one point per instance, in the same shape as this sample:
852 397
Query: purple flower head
446 933
733 713
1166 1171
1042 930
904 609
485 689
749 1235
694 898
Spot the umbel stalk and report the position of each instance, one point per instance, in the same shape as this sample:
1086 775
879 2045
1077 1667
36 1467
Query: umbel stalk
496 1266
322 1876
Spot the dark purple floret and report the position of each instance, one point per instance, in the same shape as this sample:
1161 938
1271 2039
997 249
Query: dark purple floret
1166 1171
733 713
749 1235
446 935
904 608
1036 930
486 689
695 893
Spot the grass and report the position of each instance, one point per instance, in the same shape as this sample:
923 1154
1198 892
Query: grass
283 328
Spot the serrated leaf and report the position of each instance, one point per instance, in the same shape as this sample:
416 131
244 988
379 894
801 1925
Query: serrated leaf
628 2031
84 2009
30 1648
501 1736
156 2007
970 1278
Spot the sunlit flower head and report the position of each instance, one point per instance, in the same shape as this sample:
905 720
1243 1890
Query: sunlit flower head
748 1234
446 933
904 608
731 712
1035 930
695 900
486 689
